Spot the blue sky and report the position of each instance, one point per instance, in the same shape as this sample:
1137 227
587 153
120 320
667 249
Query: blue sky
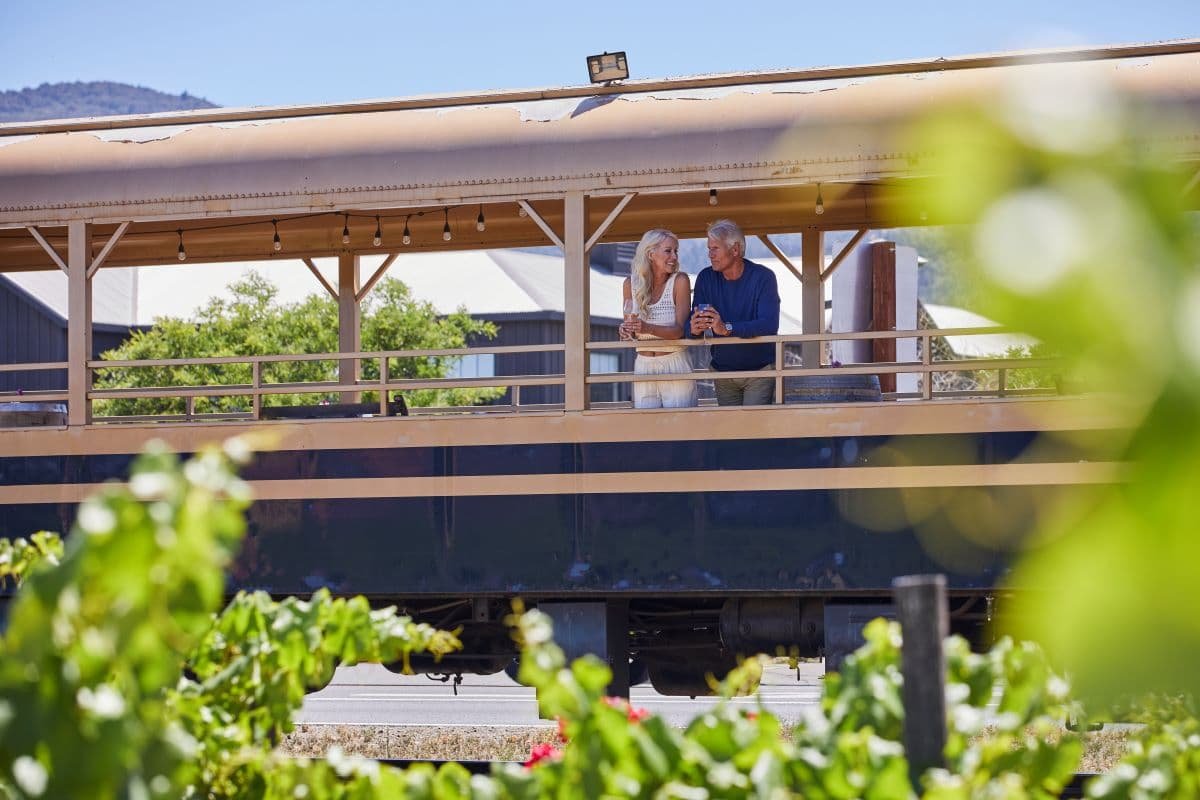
274 53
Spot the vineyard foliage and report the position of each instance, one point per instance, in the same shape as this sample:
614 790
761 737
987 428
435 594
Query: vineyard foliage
118 679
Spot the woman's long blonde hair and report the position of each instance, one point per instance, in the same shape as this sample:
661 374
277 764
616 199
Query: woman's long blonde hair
641 279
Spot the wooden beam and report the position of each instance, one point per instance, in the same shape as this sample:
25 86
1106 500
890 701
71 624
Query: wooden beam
308 262
812 301
576 285
546 229
375 276
787 262
845 251
612 216
37 235
349 322
79 322
112 242
883 307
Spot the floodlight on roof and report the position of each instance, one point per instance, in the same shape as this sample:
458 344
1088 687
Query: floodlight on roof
608 67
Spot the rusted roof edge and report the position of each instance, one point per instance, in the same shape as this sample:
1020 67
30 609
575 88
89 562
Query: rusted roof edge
205 116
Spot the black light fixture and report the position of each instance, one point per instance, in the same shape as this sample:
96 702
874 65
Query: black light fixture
480 224
820 208
407 238
712 197
378 240
346 229
276 242
446 236
608 67
182 254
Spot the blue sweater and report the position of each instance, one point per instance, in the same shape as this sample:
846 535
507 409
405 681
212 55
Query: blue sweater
751 305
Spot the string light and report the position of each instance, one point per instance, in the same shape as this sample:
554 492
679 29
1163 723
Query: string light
712 197
182 252
378 240
276 243
407 234
820 208
521 212
480 225
446 236
346 230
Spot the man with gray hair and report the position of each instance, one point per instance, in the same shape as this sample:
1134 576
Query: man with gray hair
737 297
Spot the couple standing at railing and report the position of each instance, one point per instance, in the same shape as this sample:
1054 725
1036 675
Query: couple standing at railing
734 297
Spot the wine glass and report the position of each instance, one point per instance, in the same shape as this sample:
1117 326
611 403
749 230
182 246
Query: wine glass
630 311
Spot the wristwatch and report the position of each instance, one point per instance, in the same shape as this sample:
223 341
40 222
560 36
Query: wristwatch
729 329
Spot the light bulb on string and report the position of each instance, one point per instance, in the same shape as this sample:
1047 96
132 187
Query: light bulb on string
521 212
446 235
712 197
820 207
480 225
276 242
346 230
378 240
407 234
182 254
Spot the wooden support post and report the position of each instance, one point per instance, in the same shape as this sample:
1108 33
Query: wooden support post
812 302
576 302
924 624
79 322
348 322
883 307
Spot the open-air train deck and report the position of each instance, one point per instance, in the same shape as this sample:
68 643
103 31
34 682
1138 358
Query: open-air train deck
686 535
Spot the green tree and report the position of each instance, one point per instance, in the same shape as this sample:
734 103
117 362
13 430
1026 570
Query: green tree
251 321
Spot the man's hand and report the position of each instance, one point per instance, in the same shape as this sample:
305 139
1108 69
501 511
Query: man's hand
715 323
699 323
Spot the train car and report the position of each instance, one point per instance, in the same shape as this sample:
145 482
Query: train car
679 537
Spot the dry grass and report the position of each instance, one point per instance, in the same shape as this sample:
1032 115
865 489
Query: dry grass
1102 749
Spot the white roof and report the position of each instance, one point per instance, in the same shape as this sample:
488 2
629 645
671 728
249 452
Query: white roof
485 282
975 346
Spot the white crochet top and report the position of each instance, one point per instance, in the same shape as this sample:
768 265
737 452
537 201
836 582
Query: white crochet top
662 313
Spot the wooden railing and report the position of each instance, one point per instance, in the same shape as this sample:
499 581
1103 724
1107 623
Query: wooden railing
257 390
780 371
38 395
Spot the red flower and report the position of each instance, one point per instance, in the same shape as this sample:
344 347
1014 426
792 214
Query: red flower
541 752
631 713
562 730
752 715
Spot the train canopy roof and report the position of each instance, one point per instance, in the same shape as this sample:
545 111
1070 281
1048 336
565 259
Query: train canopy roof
764 141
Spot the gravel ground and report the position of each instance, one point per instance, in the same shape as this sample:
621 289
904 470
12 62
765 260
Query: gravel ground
1102 748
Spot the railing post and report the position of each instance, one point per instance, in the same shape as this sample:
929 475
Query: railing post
927 361
1001 381
779 377
256 384
516 398
924 624
384 377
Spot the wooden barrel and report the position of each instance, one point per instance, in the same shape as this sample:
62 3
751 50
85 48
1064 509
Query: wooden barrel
832 388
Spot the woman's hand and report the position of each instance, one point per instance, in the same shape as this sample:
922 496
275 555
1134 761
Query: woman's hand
631 328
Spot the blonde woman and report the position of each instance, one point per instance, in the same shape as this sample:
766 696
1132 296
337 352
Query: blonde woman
657 304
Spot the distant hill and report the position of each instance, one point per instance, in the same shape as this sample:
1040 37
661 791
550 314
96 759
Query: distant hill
91 99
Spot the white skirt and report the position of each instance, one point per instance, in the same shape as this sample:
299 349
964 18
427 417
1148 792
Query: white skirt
664 394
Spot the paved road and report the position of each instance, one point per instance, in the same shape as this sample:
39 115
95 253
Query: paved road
370 695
